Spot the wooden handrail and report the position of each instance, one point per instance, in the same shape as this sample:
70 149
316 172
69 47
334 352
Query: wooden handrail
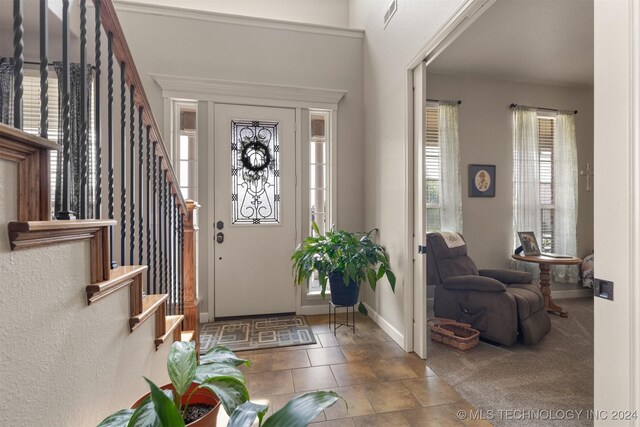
111 24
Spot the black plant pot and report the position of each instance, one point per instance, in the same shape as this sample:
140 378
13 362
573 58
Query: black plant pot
342 294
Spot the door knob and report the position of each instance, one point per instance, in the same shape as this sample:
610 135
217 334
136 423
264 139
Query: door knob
220 237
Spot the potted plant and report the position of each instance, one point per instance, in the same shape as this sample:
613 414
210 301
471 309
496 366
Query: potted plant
195 393
299 411
344 259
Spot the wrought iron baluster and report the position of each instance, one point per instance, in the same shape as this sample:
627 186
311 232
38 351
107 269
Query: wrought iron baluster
149 260
132 173
123 165
165 231
66 212
169 250
97 119
161 263
110 142
172 249
182 263
44 68
156 203
176 256
18 56
140 193
82 203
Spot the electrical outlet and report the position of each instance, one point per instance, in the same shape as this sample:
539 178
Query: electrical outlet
603 289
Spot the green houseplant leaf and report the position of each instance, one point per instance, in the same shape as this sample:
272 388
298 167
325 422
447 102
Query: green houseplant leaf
301 410
245 414
181 365
166 410
220 354
231 391
119 419
215 370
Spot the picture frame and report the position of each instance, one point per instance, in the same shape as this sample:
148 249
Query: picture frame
482 180
529 243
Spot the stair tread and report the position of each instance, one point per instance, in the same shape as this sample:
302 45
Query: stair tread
119 277
172 322
187 336
150 304
24 226
13 134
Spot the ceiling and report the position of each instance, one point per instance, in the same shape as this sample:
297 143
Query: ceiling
538 41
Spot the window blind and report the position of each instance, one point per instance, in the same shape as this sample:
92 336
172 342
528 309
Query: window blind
432 168
546 130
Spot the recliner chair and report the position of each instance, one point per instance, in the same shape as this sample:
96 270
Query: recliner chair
501 304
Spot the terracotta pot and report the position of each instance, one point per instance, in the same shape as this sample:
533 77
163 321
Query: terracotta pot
201 396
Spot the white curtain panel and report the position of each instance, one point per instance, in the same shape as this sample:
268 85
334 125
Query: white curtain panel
565 154
451 193
526 178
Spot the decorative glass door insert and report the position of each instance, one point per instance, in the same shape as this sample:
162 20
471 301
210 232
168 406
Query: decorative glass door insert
255 172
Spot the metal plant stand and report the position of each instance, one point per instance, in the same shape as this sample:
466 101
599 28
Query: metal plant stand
346 323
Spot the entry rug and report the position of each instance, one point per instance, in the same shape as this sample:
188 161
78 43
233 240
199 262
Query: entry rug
256 333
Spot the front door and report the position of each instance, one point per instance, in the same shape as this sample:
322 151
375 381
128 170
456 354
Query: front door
254 210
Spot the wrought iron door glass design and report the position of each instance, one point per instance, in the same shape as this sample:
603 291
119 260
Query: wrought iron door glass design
255 172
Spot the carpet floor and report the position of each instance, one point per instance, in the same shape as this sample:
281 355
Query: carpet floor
556 375
254 333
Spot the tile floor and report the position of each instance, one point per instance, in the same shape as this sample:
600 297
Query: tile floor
383 385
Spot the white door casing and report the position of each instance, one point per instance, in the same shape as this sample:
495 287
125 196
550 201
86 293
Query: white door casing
252 266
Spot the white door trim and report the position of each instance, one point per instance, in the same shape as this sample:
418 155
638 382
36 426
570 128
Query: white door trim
247 93
635 207
213 91
415 318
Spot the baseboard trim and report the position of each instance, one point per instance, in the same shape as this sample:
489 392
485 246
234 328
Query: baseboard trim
310 310
572 293
204 317
396 335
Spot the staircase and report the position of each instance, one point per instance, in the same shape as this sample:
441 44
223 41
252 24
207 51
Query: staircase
142 240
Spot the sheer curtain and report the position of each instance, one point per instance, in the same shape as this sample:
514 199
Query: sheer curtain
451 193
565 153
526 178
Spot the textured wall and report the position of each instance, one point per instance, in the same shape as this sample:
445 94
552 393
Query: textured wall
387 54
63 363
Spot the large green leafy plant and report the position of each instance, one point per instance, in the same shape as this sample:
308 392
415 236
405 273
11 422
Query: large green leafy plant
299 411
218 372
353 255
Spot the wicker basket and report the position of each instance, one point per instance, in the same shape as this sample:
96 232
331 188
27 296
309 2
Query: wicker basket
459 336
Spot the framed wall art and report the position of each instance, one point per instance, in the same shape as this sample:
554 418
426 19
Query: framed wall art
482 180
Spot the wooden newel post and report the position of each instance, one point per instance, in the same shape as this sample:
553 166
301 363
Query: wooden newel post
191 300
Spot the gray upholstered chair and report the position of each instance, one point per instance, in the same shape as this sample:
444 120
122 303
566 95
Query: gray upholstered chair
501 304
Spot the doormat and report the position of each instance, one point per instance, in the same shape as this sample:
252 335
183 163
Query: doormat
256 333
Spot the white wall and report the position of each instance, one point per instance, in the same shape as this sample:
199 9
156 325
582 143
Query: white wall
615 212
387 53
325 12
485 132
257 53
63 362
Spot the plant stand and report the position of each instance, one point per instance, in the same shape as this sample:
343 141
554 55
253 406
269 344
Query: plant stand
346 323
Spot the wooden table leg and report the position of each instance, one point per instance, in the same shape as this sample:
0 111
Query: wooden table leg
545 288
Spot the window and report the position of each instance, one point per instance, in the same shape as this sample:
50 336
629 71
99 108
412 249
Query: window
187 148
319 178
546 131
443 198
432 169
31 117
